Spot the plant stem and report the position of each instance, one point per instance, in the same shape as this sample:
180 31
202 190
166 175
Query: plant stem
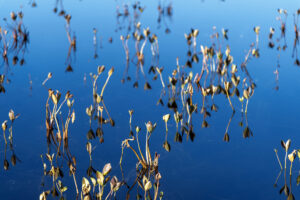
75 183
137 140
101 95
285 160
4 137
278 160
246 109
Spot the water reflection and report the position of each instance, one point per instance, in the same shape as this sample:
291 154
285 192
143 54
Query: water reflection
165 13
72 48
14 39
195 85
59 8
128 16
140 39
296 39
218 75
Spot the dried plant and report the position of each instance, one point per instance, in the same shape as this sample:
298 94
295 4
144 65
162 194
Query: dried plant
147 166
95 110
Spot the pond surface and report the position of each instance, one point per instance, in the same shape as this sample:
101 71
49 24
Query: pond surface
244 166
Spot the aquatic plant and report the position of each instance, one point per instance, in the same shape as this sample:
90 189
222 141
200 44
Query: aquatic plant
52 122
8 125
95 110
289 155
99 182
147 174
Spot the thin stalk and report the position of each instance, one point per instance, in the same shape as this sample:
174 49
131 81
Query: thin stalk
120 163
278 160
44 82
60 106
246 106
95 86
148 150
101 95
156 191
285 160
74 178
229 122
142 163
105 111
137 140
142 47
229 100
130 119
160 76
99 192
166 123
277 178
4 137
146 146
108 195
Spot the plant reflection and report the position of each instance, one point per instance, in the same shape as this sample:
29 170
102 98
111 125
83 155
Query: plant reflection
129 16
165 12
140 38
296 39
59 8
14 39
72 41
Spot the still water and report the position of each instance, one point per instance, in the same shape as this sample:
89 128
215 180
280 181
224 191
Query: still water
208 167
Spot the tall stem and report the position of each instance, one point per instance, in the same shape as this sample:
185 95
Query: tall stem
101 95
77 192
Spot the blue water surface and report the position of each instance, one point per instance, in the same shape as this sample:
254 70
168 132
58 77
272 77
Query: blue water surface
207 168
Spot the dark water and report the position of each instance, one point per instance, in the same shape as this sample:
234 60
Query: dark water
208 167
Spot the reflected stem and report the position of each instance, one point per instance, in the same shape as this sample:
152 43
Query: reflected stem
4 137
279 174
278 160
